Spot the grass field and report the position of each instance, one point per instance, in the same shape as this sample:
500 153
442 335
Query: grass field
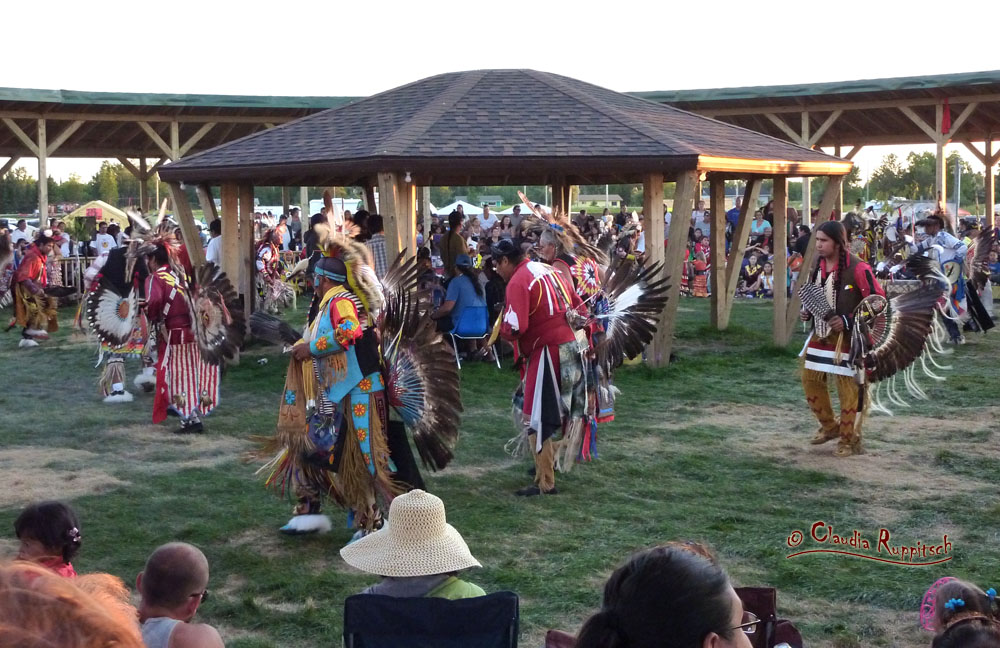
713 448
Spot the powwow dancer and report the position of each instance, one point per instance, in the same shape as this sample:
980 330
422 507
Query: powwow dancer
275 294
536 320
949 252
34 309
121 326
198 325
858 336
615 327
365 349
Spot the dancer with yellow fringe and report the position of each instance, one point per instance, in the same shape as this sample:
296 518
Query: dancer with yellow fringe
838 285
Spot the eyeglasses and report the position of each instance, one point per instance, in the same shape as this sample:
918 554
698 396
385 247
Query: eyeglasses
202 594
749 625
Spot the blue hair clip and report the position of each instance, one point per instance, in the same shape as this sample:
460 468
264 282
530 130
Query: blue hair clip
556 227
992 593
954 604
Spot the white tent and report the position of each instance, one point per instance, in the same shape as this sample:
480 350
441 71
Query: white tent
468 208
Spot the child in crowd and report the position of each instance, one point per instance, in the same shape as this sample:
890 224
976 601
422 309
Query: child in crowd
767 281
965 615
50 536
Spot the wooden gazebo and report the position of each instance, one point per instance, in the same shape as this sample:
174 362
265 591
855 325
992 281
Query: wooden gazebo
514 127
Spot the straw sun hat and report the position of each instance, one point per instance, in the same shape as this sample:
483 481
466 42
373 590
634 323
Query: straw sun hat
415 541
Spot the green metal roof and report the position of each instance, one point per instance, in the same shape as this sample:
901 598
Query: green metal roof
78 97
833 88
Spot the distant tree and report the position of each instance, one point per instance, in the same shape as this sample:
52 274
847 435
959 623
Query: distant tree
73 190
18 193
105 183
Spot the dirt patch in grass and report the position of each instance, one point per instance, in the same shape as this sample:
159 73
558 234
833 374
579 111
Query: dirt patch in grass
892 628
889 465
31 475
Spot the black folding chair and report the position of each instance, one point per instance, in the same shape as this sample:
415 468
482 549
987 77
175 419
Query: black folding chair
373 621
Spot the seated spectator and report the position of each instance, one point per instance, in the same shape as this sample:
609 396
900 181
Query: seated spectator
40 609
767 281
965 616
750 277
758 225
464 291
173 584
49 533
417 553
668 597
994 267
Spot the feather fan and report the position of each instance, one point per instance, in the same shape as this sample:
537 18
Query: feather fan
423 382
272 329
636 295
980 266
910 323
219 322
112 315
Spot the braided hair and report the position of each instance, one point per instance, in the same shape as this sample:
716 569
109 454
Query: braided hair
836 231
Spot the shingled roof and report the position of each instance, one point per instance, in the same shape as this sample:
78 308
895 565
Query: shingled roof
497 126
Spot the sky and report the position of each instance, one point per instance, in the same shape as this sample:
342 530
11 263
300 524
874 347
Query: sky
314 47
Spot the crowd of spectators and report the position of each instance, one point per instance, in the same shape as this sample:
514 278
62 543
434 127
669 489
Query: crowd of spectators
674 595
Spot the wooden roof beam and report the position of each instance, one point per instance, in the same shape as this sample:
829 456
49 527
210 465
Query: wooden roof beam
964 115
824 127
21 135
8 165
194 139
921 124
153 135
63 136
785 128
271 120
840 105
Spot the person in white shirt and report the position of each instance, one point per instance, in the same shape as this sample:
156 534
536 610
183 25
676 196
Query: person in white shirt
698 215
213 252
103 242
488 219
20 233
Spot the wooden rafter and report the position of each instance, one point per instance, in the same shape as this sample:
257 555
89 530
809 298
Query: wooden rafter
21 135
194 139
153 135
8 165
919 121
63 136
784 128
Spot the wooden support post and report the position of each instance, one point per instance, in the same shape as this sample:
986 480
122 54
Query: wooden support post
406 212
43 178
143 177
840 198
392 211
940 162
685 194
741 234
247 260
425 212
652 217
286 203
175 141
231 232
182 212
779 230
717 250
809 258
370 203
304 202
990 181
207 203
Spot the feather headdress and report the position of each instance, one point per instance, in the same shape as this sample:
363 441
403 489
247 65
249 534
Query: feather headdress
361 277
566 232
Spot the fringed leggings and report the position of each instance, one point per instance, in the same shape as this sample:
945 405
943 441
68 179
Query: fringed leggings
818 396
